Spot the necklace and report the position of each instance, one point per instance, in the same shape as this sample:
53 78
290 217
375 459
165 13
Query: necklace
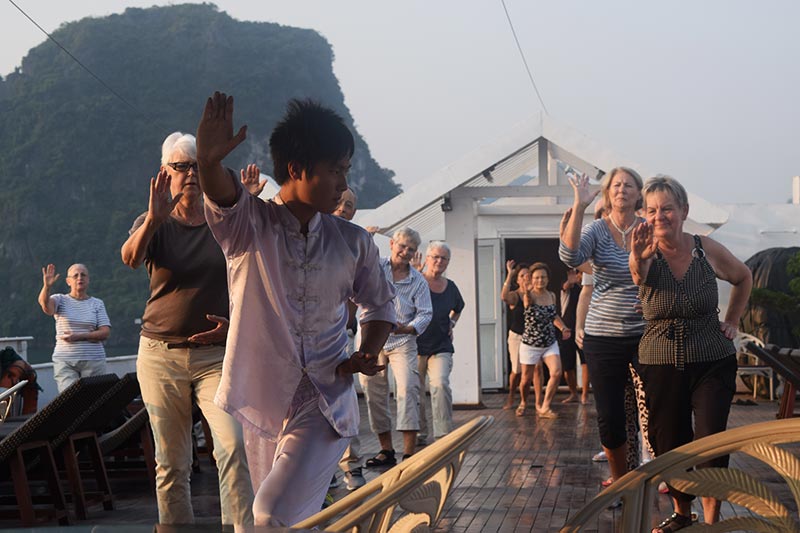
623 233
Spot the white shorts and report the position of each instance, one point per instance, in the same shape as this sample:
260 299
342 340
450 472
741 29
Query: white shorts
532 355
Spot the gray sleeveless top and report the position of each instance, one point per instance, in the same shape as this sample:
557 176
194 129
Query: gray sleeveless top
682 315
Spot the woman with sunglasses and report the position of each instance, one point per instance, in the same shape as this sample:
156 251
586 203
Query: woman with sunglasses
183 336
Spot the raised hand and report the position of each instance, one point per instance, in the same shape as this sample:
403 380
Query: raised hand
49 276
372 230
643 244
212 336
251 179
562 227
416 261
510 264
161 205
580 186
215 138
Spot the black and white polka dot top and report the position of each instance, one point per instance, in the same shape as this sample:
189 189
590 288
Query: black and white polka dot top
539 328
682 315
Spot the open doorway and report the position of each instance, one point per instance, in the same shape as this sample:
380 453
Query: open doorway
531 251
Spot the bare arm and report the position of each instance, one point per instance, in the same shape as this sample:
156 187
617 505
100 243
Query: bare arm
98 335
571 234
510 297
49 278
158 209
215 140
373 336
730 269
581 311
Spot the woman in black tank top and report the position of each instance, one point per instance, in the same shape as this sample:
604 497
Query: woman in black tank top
512 292
686 355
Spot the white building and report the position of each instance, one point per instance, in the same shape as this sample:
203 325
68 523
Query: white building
506 200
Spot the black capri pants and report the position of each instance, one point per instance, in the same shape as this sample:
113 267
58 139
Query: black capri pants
672 395
608 359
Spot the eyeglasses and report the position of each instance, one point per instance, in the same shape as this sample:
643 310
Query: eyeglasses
78 275
183 166
439 257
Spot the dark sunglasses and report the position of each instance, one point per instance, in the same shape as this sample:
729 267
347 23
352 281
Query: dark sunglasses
183 166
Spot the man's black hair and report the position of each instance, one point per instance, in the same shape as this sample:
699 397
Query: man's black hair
309 133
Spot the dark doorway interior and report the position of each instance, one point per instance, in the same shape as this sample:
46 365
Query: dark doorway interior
532 251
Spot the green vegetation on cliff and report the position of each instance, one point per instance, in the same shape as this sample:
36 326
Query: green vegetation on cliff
75 160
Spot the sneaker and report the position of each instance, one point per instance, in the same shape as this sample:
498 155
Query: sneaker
600 457
354 479
334 482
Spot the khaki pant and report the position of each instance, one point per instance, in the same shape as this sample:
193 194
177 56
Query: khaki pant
65 373
403 362
170 379
437 368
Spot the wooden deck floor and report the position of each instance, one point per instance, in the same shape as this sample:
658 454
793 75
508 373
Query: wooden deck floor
524 474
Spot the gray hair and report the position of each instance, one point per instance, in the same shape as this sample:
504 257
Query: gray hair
178 143
75 265
664 183
409 234
605 185
437 244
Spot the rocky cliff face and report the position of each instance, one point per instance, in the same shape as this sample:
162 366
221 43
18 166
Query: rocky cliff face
76 156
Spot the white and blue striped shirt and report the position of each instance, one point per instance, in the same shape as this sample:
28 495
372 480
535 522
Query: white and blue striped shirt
78 316
412 303
611 310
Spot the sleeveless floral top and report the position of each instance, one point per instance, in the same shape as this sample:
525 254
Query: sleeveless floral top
539 328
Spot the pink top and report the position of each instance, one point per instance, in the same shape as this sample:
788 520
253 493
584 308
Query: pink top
288 313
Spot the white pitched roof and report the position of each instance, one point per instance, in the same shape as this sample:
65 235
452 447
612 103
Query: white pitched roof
510 158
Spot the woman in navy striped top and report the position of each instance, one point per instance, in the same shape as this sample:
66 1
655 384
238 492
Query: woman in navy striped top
613 327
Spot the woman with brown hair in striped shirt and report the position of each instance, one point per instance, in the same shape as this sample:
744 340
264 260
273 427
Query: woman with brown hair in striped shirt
686 356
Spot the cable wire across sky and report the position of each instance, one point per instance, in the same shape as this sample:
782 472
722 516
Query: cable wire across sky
524 61
84 67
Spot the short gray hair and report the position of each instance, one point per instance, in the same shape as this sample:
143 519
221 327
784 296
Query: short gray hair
664 183
178 143
408 233
437 244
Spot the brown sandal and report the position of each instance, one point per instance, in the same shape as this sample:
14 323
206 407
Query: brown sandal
674 522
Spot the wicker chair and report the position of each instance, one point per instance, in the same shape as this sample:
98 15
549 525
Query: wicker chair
419 485
38 436
767 513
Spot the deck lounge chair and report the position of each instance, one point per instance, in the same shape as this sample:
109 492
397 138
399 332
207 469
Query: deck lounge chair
132 448
7 398
83 437
419 485
764 509
786 362
36 436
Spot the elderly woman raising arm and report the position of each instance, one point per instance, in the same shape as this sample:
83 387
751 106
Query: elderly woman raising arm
687 357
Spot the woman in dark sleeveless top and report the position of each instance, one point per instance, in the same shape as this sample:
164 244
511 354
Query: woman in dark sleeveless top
686 355
517 278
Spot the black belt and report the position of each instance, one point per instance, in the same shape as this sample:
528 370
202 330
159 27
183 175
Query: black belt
187 344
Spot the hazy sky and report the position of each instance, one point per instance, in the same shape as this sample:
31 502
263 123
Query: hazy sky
704 90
